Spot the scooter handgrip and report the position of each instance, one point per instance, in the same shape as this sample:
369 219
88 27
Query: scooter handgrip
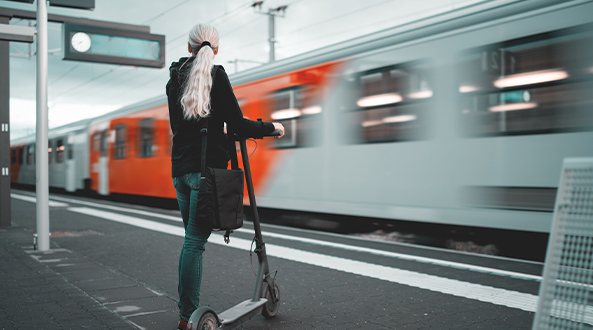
277 132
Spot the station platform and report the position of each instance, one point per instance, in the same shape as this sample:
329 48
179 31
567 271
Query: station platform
114 266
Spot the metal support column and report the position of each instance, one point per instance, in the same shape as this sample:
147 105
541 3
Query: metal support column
41 159
272 33
4 131
272 13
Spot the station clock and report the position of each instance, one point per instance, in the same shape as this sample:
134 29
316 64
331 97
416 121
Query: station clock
81 42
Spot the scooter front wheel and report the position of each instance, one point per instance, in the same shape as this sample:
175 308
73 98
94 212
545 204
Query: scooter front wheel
271 307
207 322
203 319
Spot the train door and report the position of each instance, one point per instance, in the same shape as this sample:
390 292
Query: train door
70 164
103 165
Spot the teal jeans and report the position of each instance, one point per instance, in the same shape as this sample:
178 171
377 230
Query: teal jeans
196 236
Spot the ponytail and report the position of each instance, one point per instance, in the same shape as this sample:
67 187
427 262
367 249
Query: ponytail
195 101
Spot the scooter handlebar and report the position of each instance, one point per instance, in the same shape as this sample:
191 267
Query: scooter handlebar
277 132
273 134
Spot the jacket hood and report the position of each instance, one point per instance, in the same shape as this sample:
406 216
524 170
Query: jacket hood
180 69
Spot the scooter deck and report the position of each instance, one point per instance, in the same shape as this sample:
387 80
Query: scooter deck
248 309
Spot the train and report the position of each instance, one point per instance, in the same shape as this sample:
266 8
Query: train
463 118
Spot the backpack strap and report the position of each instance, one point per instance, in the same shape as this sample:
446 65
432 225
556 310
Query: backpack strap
232 151
204 132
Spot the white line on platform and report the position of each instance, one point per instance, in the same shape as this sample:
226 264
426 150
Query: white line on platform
398 243
34 200
122 209
402 256
142 223
497 296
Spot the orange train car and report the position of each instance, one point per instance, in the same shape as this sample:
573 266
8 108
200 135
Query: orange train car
130 148
462 118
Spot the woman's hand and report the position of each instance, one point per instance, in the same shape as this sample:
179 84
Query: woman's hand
280 127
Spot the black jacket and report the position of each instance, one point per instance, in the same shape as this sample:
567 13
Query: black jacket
187 141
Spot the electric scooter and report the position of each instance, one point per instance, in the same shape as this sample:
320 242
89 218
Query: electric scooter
266 295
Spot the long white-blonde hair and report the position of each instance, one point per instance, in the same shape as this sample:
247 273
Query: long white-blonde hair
195 101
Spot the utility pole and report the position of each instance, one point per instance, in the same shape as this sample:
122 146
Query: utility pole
272 13
41 156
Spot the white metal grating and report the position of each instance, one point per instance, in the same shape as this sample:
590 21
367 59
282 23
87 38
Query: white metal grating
566 291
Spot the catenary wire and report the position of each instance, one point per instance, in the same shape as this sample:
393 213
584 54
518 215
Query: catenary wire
308 40
235 29
231 12
150 20
356 11
255 43
243 47
168 43
354 28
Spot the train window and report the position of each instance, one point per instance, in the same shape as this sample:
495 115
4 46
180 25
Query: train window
70 151
146 137
387 104
534 85
31 154
97 141
21 155
120 142
296 109
103 144
60 150
50 150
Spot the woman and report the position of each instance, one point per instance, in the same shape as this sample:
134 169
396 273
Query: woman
197 89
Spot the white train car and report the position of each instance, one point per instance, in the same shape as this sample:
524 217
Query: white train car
68 157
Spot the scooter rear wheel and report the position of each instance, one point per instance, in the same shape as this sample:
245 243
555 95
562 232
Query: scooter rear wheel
271 308
208 321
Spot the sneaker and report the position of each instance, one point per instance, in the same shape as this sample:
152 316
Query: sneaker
182 325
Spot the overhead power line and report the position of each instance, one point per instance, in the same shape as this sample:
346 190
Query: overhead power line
103 75
255 43
356 11
227 14
150 20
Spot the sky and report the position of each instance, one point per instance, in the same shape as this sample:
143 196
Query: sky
79 90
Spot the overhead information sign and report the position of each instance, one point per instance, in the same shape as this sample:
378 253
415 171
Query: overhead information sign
101 45
77 4
16 33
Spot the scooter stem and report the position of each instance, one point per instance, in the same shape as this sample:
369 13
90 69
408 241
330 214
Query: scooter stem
260 248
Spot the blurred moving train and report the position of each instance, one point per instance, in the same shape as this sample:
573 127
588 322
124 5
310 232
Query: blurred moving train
463 118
